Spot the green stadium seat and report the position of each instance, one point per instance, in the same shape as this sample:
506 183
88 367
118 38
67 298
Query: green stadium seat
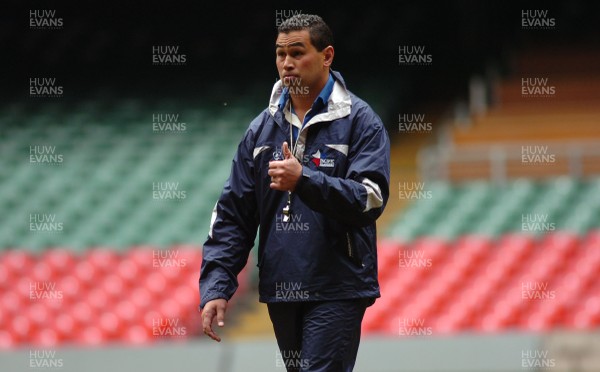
102 191
492 210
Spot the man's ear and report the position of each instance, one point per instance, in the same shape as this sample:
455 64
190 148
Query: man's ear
328 56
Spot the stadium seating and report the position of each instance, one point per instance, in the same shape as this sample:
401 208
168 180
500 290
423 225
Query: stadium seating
483 208
110 164
96 263
462 258
479 284
561 116
142 295
479 250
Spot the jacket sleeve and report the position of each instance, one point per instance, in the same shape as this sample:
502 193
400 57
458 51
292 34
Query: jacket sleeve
359 198
232 231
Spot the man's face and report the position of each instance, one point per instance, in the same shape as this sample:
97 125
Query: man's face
298 61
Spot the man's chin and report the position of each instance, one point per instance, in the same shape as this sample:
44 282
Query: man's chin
290 80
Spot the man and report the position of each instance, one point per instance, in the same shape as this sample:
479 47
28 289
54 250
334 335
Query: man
312 171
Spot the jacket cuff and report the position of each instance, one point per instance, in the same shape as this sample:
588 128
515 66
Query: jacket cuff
212 296
305 179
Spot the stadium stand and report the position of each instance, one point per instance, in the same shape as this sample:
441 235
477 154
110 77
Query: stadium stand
100 295
479 207
76 263
548 104
481 284
109 168
488 242
458 259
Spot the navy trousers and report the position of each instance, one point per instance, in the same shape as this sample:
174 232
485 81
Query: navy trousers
318 336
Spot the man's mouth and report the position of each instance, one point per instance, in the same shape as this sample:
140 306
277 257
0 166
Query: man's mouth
291 79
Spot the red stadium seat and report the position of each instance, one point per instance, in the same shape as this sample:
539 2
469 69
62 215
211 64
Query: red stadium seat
65 325
473 248
105 260
110 324
21 328
70 286
7 340
141 298
91 335
46 338
18 261
185 297
12 303
128 270
170 308
137 334
155 282
7 276
128 312
593 237
83 313
113 285
87 274
41 271
472 283
387 258
447 324
143 257
98 299
61 261
38 314
538 321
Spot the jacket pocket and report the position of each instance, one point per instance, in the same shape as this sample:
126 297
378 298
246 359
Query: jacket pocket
352 250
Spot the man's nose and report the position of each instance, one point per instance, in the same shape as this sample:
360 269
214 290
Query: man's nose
287 63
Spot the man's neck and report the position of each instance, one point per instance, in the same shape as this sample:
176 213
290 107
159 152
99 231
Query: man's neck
303 102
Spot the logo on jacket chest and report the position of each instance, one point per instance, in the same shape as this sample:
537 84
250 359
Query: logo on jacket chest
321 161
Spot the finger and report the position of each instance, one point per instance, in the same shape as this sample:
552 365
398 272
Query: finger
213 335
221 316
276 172
207 318
276 164
207 325
286 151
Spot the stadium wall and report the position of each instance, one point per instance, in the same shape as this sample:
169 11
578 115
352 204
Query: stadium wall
504 352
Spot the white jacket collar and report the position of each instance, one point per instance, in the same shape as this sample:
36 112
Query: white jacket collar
339 103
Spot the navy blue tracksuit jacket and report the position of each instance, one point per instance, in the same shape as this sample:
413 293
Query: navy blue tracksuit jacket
328 249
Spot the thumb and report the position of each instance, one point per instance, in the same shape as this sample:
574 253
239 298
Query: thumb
287 154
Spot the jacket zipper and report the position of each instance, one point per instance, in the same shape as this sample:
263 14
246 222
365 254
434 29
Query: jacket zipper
349 246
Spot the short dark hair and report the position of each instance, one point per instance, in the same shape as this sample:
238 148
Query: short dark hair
320 34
